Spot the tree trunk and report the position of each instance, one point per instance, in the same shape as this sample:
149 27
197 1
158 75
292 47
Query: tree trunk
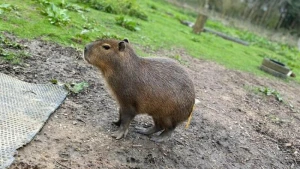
200 22
299 43
280 21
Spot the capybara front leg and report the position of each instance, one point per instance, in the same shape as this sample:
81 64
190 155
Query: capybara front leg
126 116
118 122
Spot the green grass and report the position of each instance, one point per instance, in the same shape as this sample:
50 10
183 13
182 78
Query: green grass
271 92
14 57
160 30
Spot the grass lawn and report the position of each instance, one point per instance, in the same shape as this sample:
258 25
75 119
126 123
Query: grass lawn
152 23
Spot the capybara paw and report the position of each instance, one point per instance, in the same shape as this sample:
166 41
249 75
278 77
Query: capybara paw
147 131
158 139
141 130
119 134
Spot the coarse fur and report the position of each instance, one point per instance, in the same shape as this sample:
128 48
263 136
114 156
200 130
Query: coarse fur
159 87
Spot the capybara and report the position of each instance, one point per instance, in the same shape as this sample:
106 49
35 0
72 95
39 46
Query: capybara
159 87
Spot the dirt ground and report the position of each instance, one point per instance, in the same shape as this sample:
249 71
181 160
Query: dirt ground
233 126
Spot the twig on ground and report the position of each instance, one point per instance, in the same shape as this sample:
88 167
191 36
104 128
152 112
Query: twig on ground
62 165
210 107
78 119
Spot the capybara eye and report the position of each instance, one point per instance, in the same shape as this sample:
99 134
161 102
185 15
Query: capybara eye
106 47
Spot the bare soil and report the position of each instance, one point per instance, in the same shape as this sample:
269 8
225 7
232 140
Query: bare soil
233 126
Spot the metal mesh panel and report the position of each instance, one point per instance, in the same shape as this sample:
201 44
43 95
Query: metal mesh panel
24 108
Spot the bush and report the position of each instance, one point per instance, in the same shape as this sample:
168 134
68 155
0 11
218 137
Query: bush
125 7
127 23
56 15
7 8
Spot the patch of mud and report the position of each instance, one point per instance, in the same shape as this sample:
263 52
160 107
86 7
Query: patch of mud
232 127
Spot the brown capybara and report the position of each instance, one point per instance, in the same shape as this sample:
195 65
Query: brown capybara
159 87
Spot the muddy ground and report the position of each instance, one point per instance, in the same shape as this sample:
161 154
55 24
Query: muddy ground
233 126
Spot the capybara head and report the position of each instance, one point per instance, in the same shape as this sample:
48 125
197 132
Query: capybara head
103 53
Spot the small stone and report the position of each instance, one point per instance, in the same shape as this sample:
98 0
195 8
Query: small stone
288 144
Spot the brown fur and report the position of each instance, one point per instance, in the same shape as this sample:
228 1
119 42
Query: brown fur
158 87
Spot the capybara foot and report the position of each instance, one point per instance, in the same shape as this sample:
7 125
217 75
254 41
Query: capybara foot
120 133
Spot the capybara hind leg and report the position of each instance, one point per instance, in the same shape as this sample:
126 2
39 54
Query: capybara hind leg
165 135
168 126
126 116
148 131
151 130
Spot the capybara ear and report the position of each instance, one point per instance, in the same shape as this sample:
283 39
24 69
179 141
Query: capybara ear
126 40
122 46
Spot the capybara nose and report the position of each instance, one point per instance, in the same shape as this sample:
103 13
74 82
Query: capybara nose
84 56
87 48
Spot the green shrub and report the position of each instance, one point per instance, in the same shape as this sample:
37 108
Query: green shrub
14 57
56 15
72 7
124 7
108 35
269 92
138 14
7 8
7 43
127 23
75 87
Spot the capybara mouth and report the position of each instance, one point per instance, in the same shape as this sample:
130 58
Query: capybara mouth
84 57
